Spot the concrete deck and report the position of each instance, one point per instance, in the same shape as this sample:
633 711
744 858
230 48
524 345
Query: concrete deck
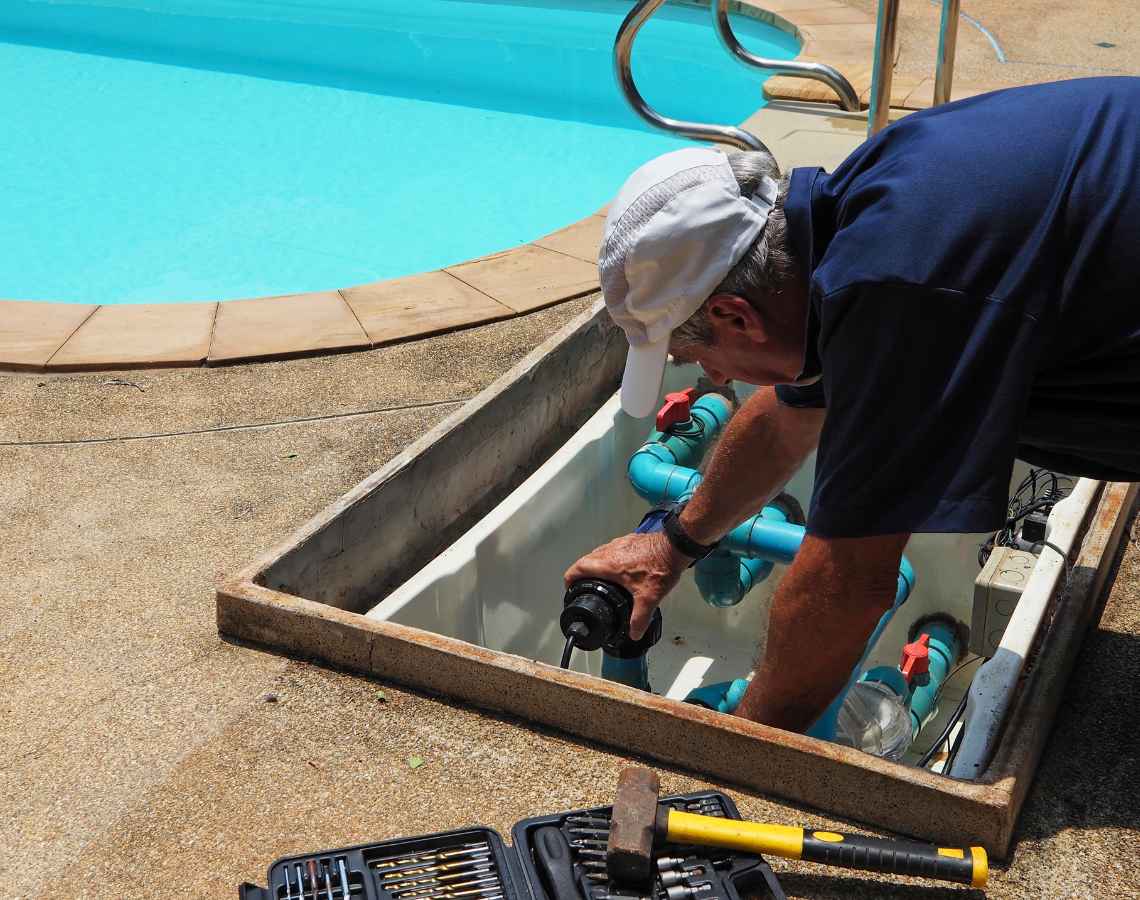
145 757
143 753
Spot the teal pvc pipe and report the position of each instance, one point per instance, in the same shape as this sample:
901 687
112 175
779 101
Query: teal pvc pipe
767 536
633 672
663 469
724 578
658 473
657 479
824 727
943 646
688 442
724 696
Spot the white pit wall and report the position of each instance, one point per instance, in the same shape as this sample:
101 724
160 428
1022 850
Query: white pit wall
500 585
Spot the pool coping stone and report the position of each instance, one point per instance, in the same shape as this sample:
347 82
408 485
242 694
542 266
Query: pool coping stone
157 335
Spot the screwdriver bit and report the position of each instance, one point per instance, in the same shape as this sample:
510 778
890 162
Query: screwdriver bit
589 832
587 842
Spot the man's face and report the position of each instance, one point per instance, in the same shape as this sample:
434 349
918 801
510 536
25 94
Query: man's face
750 364
746 348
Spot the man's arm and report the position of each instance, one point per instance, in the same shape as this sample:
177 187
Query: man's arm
825 608
760 450
763 445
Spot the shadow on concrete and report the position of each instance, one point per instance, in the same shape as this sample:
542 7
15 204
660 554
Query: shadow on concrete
831 887
1091 765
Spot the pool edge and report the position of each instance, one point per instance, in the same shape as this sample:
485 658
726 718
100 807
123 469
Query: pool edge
41 336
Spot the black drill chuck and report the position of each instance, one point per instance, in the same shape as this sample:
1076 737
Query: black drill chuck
596 614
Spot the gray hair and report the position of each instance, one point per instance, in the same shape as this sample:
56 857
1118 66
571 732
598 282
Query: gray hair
765 268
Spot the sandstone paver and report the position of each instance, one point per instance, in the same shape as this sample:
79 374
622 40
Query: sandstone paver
30 332
529 277
278 327
419 306
142 336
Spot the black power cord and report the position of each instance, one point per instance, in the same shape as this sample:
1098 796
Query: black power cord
954 717
925 759
1039 491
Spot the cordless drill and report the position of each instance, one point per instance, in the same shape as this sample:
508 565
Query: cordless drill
596 614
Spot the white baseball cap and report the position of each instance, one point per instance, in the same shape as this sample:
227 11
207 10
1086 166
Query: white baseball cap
676 229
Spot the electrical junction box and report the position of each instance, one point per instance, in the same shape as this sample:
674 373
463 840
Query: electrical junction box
997 589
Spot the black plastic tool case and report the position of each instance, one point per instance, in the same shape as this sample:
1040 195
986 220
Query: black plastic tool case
728 875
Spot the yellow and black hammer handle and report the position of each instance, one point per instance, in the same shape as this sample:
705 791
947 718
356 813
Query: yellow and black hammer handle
850 851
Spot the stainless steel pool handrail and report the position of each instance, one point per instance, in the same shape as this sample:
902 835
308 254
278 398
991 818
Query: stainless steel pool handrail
886 30
697 131
832 77
947 47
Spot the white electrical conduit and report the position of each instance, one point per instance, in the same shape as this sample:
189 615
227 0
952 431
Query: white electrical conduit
992 689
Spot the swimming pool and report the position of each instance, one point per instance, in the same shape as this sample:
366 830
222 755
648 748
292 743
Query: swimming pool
236 148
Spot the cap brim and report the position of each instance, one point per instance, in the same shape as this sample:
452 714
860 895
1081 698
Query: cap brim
641 383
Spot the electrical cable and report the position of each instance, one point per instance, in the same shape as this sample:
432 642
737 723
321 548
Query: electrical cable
1029 497
568 651
955 716
1064 559
945 733
218 429
953 754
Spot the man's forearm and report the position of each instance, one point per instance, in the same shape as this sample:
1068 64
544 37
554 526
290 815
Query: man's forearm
822 613
762 447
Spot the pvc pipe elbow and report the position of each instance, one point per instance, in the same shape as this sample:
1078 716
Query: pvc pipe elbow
724 579
656 478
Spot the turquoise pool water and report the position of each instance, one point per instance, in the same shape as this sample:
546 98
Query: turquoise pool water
235 148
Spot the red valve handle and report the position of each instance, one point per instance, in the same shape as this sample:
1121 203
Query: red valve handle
677 409
915 658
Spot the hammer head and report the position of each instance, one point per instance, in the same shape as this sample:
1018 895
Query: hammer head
634 827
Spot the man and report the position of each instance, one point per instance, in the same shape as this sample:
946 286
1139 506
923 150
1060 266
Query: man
963 290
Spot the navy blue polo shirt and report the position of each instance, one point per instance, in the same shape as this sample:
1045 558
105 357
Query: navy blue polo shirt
974 287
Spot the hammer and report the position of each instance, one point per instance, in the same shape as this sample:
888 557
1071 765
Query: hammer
639 823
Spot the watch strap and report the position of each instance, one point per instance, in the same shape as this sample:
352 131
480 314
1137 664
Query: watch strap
680 539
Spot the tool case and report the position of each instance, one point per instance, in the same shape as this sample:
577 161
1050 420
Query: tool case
553 857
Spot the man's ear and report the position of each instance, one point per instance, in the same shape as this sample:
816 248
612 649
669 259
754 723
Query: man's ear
733 314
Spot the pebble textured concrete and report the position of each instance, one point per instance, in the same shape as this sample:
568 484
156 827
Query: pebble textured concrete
1041 40
146 757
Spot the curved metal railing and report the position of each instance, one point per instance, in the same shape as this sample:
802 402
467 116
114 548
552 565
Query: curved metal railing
697 131
833 78
877 114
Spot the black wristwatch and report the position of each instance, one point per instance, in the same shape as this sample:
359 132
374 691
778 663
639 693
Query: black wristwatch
680 539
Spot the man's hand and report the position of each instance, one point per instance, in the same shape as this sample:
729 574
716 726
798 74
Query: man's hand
646 565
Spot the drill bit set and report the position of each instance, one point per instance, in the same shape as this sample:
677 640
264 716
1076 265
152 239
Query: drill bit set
556 857
681 873
461 865
467 871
